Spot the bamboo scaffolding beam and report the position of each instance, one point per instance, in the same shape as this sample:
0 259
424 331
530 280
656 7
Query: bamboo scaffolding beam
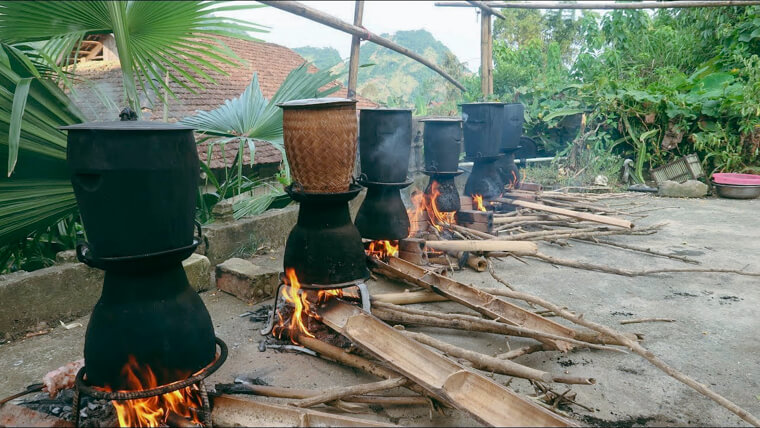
353 63
640 350
606 5
486 8
481 398
307 12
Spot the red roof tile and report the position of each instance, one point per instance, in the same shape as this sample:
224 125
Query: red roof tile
271 62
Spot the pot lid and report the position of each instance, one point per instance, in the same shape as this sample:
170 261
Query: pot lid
317 103
386 109
491 103
441 119
128 122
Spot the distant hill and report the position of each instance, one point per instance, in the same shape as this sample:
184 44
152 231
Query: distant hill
322 58
394 79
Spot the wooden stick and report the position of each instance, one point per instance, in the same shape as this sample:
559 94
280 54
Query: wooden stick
640 350
519 248
409 298
405 315
569 213
550 234
640 320
280 392
639 249
477 233
521 351
338 393
495 365
336 354
631 273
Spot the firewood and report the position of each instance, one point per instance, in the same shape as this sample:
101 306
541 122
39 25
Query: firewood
569 213
475 299
486 401
476 263
477 233
640 350
520 352
412 245
337 354
495 365
474 216
405 315
346 391
646 250
280 392
640 320
519 248
480 227
408 298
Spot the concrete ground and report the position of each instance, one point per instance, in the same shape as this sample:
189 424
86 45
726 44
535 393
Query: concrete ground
714 339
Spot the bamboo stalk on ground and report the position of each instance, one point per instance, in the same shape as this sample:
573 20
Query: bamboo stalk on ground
495 365
296 393
405 315
641 320
346 391
640 350
408 298
569 213
525 350
638 249
519 248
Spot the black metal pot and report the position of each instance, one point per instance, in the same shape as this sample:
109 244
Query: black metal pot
442 143
385 139
157 318
382 215
483 128
324 247
136 185
514 116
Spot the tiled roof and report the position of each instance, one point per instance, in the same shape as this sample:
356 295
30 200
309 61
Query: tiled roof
271 62
265 153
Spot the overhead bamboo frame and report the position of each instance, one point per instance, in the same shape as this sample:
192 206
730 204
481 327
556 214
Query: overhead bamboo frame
604 5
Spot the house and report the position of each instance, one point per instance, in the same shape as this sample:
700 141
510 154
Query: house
271 62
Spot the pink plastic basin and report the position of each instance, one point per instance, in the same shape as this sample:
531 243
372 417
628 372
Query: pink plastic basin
736 179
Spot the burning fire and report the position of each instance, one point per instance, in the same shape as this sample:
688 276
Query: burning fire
382 249
426 205
478 199
299 298
153 411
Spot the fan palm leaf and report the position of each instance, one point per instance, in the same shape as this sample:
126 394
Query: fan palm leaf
153 38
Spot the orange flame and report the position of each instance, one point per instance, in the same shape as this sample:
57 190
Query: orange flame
478 199
513 182
436 216
416 213
301 306
381 250
153 411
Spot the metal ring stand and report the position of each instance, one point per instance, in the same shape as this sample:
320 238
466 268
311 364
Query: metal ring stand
81 387
363 295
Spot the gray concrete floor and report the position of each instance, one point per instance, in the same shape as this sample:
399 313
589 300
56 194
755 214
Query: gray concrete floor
714 340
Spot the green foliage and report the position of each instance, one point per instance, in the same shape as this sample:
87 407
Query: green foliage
648 87
154 39
243 121
322 58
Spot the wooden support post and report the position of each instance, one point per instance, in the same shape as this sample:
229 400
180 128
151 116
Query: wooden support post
486 72
353 64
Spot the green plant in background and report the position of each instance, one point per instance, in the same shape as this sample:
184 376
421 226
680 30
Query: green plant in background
244 120
37 42
154 39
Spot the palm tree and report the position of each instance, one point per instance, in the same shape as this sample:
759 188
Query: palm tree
252 117
155 40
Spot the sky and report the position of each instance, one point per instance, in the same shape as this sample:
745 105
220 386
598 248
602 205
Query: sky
457 28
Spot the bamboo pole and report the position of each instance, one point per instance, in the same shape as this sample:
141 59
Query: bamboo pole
353 64
569 213
606 5
485 54
486 8
346 391
522 248
307 12
408 298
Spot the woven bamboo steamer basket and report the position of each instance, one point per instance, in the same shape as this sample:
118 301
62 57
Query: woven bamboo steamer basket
320 142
